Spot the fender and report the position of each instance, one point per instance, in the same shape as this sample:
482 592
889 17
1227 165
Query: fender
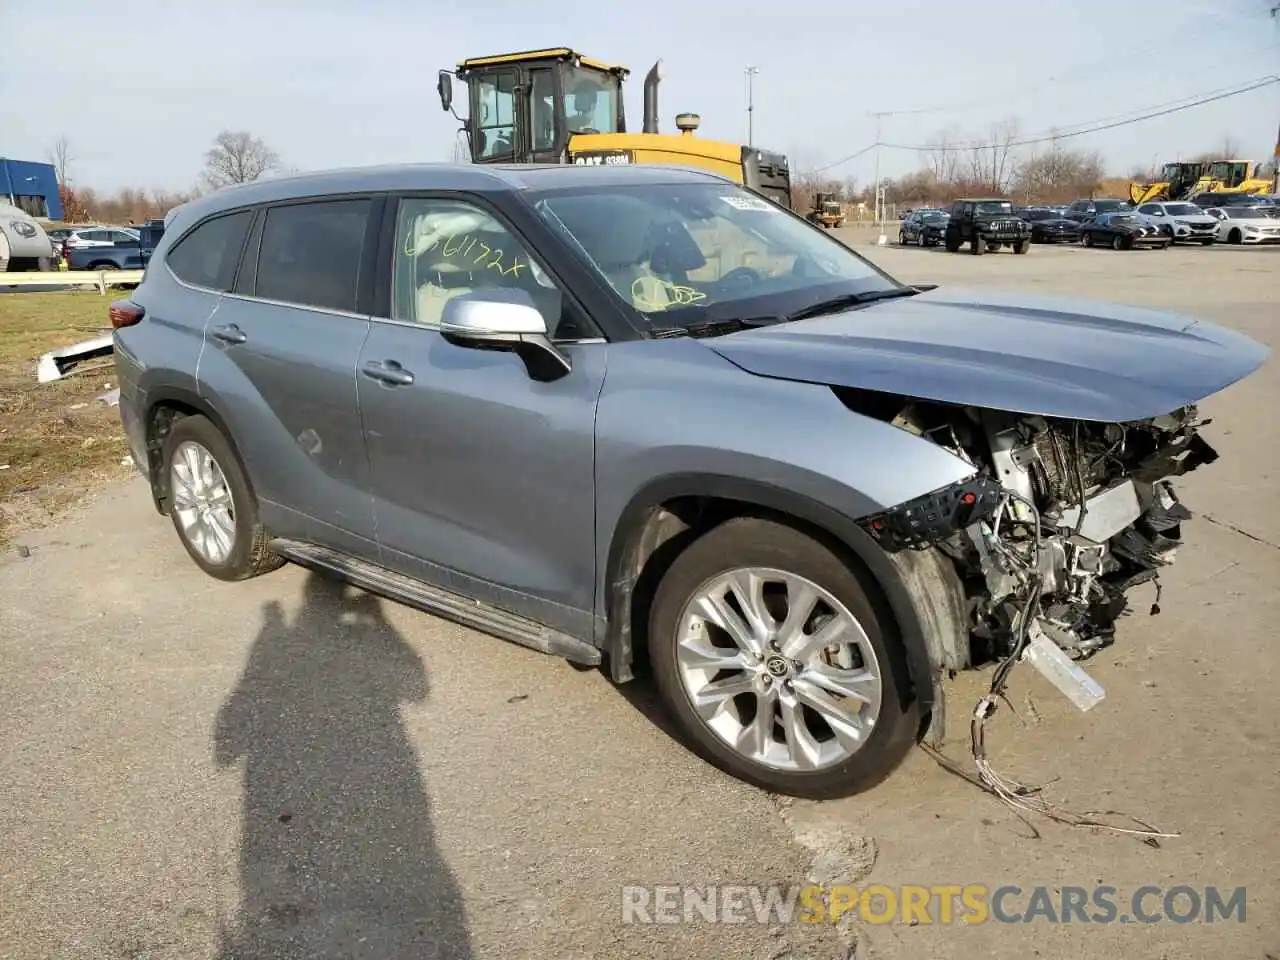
636 537
184 398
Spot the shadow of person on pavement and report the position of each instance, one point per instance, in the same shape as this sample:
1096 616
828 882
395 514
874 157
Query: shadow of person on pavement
337 856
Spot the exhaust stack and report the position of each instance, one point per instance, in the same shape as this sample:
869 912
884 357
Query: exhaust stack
651 97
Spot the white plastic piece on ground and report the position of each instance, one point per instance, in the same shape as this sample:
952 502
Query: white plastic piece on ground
111 398
56 363
881 240
1055 666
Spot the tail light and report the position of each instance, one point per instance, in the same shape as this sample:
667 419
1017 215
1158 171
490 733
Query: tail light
125 313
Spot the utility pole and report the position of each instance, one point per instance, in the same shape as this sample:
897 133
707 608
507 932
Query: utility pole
751 72
879 189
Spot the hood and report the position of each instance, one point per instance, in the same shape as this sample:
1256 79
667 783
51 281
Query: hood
1055 222
1073 359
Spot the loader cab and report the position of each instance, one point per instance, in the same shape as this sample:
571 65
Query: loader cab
523 107
1181 177
1231 173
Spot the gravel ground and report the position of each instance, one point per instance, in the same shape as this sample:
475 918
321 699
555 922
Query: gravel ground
287 768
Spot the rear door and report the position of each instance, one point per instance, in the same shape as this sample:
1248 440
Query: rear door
483 478
279 364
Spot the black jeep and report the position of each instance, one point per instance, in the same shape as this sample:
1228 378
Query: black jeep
986 224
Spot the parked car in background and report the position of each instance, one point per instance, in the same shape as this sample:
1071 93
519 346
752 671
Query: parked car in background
1124 230
24 245
82 237
468 388
1050 227
1081 210
1182 221
986 224
924 228
1216 198
131 253
1259 224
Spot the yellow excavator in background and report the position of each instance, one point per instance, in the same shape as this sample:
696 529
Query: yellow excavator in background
1181 181
558 106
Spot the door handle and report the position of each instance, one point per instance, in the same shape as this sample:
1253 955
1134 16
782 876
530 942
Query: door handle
387 371
230 333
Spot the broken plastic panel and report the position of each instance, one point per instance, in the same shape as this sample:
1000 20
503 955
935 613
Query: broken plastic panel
1060 670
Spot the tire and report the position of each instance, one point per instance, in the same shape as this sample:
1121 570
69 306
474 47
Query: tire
902 239
1022 246
951 245
1235 237
103 265
995 247
977 246
1087 239
920 240
1207 243
248 555
1117 242
837 769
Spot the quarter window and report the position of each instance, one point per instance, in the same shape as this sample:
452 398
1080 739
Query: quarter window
445 248
207 256
310 253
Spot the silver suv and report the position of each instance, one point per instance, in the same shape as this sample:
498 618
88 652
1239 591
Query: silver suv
636 414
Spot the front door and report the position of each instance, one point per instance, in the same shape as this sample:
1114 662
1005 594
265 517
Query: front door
483 478
279 365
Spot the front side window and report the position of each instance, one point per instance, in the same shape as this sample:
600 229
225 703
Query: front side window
685 252
496 110
591 101
207 256
445 248
310 253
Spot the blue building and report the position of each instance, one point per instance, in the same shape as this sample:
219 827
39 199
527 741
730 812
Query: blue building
32 187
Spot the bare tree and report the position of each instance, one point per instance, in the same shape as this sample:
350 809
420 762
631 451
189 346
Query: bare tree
1230 148
1002 134
237 157
60 156
942 155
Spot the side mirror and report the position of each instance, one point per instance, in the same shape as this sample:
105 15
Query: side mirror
445 86
504 319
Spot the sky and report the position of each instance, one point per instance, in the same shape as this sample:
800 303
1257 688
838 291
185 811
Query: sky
140 88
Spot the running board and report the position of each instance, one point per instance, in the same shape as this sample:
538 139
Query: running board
432 599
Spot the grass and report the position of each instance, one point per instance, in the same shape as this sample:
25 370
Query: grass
57 442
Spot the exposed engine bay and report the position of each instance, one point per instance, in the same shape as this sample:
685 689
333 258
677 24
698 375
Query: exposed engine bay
1062 520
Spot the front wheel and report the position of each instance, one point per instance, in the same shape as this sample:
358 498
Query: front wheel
977 246
951 245
211 504
1117 242
770 654
1022 246
1087 239
902 239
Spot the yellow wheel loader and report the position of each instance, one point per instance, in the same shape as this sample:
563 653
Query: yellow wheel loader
558 106
1180 181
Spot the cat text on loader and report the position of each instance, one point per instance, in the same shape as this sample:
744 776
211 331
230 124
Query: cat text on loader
558 106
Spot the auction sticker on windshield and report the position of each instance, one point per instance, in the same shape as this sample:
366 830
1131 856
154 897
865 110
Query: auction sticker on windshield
749 203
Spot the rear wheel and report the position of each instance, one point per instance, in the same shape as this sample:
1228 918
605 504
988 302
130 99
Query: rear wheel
211 504
902 239
770 654
977 246
1088 239
1117 242
1022 246
952 244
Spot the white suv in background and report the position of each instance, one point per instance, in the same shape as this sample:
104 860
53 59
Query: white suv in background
99 237
1183 221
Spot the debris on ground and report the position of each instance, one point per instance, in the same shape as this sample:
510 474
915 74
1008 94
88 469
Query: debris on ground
57 364
111 398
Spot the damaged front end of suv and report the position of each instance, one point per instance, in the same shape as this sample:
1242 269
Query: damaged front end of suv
1060 521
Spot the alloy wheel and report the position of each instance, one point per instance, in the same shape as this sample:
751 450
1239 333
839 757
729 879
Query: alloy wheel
202 502
778 669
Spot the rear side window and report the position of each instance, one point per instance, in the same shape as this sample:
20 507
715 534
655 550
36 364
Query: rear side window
207 256
310 253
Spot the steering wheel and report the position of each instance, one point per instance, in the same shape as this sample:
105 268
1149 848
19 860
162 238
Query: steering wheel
738 275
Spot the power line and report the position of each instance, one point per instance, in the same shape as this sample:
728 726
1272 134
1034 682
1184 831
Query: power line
1087 127
1096 126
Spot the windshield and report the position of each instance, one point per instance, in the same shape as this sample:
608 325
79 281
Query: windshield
994 206
688 253
1038 215
934 216
590 101
1184 210
1121 218
1104 205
